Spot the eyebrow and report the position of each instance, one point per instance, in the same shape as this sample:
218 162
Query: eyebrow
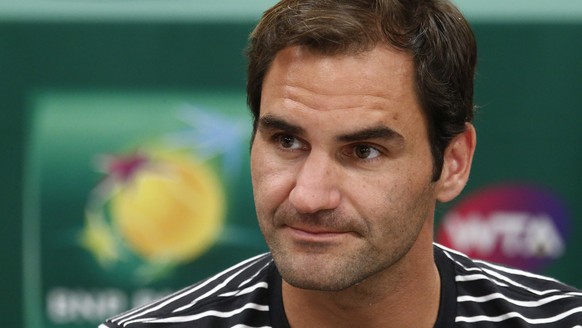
376 132
270 122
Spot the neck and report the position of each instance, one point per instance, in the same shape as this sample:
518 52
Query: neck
405 295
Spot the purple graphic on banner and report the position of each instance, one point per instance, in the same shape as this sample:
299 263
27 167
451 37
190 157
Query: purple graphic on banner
521 226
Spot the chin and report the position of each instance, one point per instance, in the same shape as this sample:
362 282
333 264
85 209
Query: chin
325 285
319 277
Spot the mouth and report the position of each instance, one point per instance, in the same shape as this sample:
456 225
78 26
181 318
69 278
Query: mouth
314 235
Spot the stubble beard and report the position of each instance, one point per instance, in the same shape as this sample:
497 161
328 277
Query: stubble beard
333 267
323 272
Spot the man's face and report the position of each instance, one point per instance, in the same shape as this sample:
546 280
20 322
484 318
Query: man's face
341 166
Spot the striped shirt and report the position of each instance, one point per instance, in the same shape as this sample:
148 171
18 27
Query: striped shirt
473 294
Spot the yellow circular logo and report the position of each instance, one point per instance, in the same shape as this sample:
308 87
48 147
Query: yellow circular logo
172 210
166 207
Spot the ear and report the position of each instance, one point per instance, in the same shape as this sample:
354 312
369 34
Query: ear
457 164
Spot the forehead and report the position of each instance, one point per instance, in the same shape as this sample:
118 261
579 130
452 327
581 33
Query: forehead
375 85
382 72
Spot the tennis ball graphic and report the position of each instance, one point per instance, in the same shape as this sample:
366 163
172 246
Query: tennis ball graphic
171 210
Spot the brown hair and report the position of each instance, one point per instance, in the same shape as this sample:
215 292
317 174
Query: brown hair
434 32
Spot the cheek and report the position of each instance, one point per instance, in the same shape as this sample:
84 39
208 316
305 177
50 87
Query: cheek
271 182
389 202
373 200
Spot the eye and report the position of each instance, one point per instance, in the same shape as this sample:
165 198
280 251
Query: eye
366 152
289 142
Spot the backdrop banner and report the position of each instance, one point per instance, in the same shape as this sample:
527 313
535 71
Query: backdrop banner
131 196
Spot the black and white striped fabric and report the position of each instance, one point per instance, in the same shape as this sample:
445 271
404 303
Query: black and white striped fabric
489 295
473 294
237 297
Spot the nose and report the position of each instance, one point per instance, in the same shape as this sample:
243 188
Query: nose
316 185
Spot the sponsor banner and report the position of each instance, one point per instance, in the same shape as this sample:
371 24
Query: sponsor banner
131 196
518 225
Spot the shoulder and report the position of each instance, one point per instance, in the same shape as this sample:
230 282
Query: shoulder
491 293
219 300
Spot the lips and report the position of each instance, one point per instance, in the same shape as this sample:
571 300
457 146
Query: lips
314 235
317 227
315 230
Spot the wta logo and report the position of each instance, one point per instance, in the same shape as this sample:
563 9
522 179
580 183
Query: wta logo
521 226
